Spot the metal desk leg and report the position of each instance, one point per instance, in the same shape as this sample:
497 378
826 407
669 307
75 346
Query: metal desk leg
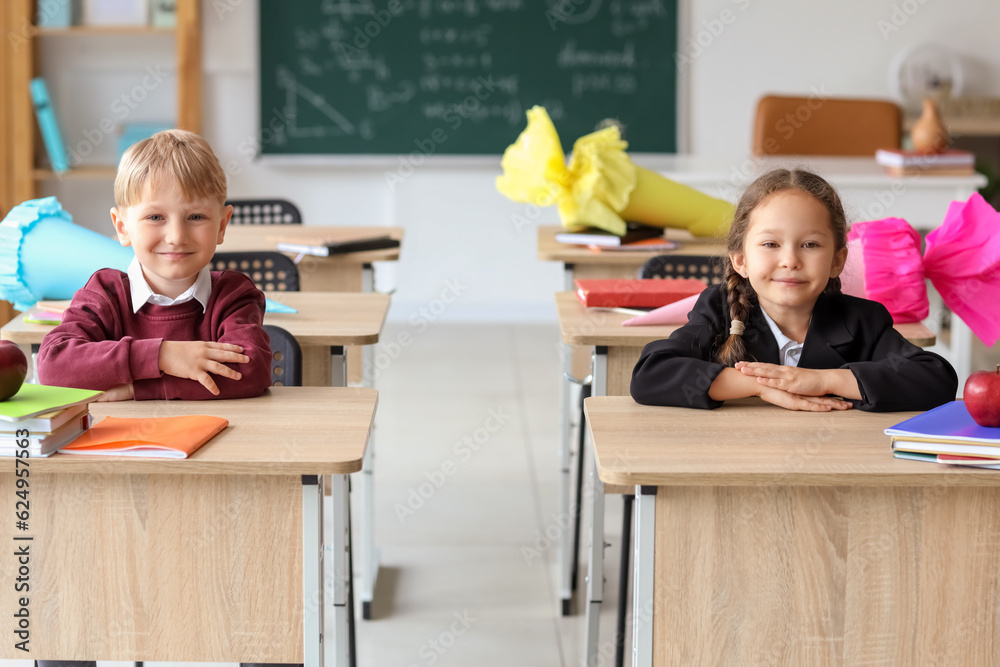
312 570
566 541
368 553
595 576
961 348
643 592
340 580
338 366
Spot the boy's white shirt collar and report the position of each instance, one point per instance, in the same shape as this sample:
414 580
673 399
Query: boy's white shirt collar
200 291
789 350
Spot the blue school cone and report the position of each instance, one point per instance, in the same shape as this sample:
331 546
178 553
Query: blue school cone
43 255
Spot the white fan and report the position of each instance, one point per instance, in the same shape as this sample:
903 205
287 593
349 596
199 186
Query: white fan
925 70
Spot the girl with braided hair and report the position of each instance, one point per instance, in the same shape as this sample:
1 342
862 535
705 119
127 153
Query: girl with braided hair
779 327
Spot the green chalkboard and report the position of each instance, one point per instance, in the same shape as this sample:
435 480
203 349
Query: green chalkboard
454 77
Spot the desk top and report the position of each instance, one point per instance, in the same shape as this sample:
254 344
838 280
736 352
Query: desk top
324 318
331 318
241 238
285 431
580 325
550 250
752 443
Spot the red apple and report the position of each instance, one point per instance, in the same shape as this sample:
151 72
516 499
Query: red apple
982 397
13 368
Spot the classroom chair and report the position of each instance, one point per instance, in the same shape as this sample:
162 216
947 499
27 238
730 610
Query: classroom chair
825 126
286 358
706 268
264 212
270 271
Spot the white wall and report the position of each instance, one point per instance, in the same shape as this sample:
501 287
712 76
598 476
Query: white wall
461 235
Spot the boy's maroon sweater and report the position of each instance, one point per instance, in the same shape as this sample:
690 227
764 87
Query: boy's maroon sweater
102 344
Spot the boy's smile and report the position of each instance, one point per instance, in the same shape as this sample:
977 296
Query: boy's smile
174 238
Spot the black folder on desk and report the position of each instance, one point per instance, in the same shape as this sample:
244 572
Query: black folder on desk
341 247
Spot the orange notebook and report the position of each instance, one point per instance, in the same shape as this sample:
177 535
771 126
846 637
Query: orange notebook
635 293
153 437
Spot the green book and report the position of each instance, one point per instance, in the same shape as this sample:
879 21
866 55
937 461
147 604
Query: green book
37 399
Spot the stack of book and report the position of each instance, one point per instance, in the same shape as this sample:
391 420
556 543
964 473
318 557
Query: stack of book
46 418
915 163
946 434
636 238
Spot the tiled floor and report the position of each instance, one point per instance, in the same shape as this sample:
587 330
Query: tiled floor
467 438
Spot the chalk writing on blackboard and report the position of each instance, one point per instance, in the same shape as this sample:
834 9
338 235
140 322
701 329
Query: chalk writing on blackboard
368 76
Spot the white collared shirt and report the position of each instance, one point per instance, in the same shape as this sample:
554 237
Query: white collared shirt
200 291
789 351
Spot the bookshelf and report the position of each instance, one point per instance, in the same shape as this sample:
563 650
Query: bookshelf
20 142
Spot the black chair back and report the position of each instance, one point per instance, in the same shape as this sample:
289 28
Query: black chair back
286 358
705 268
264 212
270 271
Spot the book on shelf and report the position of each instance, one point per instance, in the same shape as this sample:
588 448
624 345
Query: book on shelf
164 13
33 400
913 163
16 436
58 13
48 125
635 293
339 247
946 430
644 245
599 237
148 437
909 158
116 12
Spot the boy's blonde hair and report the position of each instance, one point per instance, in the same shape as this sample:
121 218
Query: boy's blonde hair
178 153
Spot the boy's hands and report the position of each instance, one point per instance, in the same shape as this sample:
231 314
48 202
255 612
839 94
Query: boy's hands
196 359
122 392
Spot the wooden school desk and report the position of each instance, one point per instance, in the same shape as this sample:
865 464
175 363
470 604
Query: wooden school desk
615 350
767 536
349 272
215 558
326 323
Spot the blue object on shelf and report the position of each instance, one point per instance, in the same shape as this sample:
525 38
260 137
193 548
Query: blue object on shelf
133 133
48 125
57 13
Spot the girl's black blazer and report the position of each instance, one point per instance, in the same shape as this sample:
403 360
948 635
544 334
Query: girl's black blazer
845 332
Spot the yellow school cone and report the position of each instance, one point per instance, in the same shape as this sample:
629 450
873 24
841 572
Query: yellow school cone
601 187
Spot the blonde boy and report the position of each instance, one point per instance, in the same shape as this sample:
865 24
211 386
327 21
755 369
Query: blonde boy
168 327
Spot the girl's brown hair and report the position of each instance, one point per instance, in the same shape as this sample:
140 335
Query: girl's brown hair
739 293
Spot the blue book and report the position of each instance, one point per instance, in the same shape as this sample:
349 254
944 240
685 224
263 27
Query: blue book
947 429
57 13
49 126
